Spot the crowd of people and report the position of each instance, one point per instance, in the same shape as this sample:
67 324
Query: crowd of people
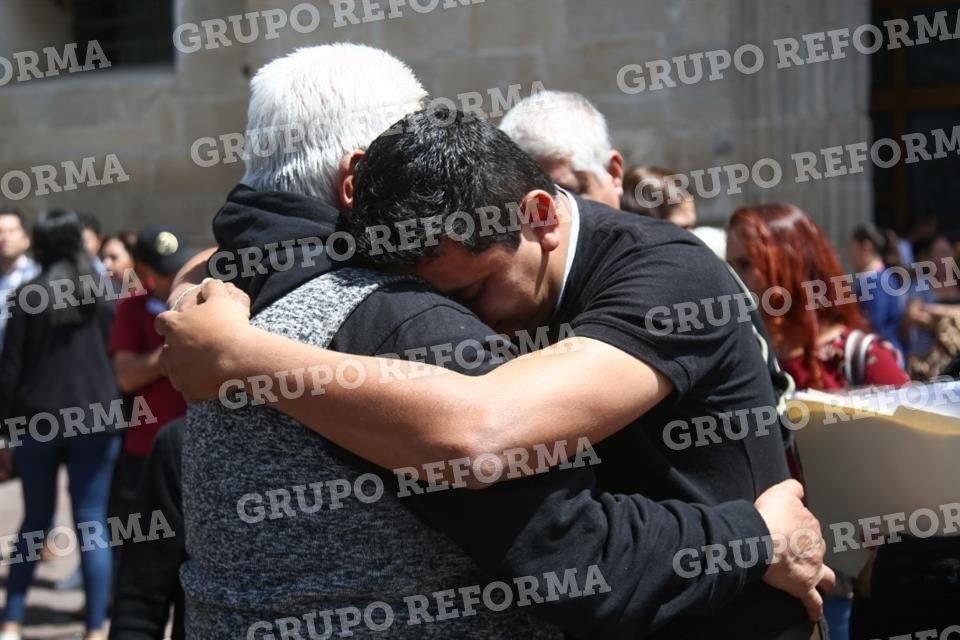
96 352
481 230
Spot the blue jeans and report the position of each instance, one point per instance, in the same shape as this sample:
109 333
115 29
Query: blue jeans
89 460
837 612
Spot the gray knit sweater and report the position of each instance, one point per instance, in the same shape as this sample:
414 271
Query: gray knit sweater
273 553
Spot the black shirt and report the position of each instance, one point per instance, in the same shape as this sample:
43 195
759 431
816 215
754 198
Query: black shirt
656 292
670 500
49 368
564 519
148 572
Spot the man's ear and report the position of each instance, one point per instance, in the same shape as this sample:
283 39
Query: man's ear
540 208
615 169
346 174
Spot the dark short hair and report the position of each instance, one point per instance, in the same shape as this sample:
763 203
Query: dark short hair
923 247
646 191
89 221
869 233
443 165
57 236
127 238
13 211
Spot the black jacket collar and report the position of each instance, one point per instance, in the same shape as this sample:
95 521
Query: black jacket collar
285 222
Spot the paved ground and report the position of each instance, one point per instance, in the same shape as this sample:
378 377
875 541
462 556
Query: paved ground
50 613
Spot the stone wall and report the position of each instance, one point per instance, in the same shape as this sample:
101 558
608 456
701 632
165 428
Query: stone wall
149 117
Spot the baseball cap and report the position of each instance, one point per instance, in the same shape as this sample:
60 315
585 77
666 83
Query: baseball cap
159 247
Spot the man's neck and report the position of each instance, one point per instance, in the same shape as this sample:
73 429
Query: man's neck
556 261
7 265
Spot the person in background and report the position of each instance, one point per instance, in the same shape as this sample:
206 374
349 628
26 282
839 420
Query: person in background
774 246
922 228
16 267
930 312
569 139
778 245
883 308
148 573
715 239
57 358
92 238
135 347
943 255
648 192
116 253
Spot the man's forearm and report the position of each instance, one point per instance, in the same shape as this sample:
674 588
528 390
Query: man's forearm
392 425
398 413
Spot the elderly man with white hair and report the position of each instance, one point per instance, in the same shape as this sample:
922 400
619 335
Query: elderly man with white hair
287 533
568 136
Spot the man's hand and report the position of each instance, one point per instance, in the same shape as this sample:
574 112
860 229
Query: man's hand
136 370
200 339
185 290
797 566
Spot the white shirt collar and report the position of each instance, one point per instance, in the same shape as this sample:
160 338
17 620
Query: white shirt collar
574 240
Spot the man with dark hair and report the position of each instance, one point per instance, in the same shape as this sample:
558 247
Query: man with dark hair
451 199
92 238
16 267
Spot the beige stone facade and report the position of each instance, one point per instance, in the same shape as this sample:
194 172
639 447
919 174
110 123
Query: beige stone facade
149 117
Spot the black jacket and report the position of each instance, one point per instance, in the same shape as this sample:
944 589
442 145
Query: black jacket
261 219
46 368
148 572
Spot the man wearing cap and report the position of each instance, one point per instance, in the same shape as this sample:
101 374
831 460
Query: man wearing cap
135 347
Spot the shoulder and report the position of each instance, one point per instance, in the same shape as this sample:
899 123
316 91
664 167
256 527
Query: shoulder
602 221
648 247
407 299
401 304
409 321
881 360
642 265
883 365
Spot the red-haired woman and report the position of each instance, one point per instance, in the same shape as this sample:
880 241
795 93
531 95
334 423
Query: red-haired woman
785 258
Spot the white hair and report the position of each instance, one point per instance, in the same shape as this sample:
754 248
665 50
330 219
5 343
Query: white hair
560 124
312 107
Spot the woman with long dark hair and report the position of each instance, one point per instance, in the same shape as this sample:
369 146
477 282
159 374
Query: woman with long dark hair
55 364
